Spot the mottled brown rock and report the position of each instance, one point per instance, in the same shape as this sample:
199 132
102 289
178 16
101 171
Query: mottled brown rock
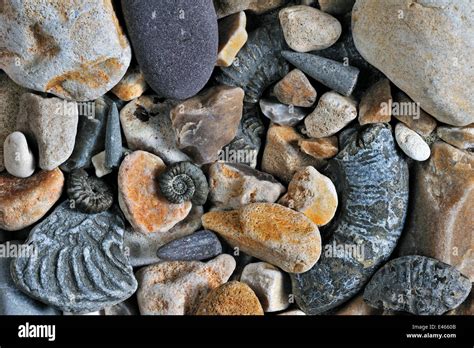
131 86
440 225
232 37
270 232
207 122
419 121
232 186
25 201
233 298
460 137
177 287
374 105
295 89
322 148
140 198
282 156
312 194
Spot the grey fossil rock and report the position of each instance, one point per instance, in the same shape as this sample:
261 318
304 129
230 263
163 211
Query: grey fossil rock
113 138
258 64
330 73
198 246
371 178
418 285
80 263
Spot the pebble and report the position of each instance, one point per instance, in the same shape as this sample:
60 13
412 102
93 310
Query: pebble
282 114
206 123
79 265
418 285
198 246
113 138
282 156
269 284
77 60
412 143
12 300
147 126
359 238
375 104
10 94
295 89
140 199
433 67
440 222
90 135
142 247
332 114
98 162
18 157
270 232
88 194
460 137
409 113
178 50
25 201
309 29
312 194
322 148
336 7
232 298
177 287
337 76
235 185
131 86
52 122
228 7
258 64
232 37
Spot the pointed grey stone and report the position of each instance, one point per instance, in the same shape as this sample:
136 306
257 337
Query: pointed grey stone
113 139
197 246
330 73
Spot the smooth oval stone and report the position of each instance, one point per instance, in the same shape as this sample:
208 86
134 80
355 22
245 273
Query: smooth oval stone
79 264
412 143
198 246
418 285
19 159
175 43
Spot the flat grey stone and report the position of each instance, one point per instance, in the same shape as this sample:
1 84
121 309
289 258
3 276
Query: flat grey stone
198 246
113 138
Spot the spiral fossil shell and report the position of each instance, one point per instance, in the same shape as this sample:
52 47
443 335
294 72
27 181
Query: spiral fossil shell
88 194
78 264
182 182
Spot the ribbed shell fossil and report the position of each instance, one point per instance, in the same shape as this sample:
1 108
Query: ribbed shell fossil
88 194
417 284
78 264
371 178
258 64
182 182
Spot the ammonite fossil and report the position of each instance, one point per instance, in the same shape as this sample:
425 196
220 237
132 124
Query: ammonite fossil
371 178
418 285
258 64
88 194
78 263
182 182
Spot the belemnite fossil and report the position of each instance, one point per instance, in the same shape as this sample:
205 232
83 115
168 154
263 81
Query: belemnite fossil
258 64
418 285
371 178
182 182
79 262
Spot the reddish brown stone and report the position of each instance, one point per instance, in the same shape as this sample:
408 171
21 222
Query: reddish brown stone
25 201
323 148
374 106
423 123
295 89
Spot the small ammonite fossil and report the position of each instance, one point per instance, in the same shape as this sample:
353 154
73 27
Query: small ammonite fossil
88 194
182 182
